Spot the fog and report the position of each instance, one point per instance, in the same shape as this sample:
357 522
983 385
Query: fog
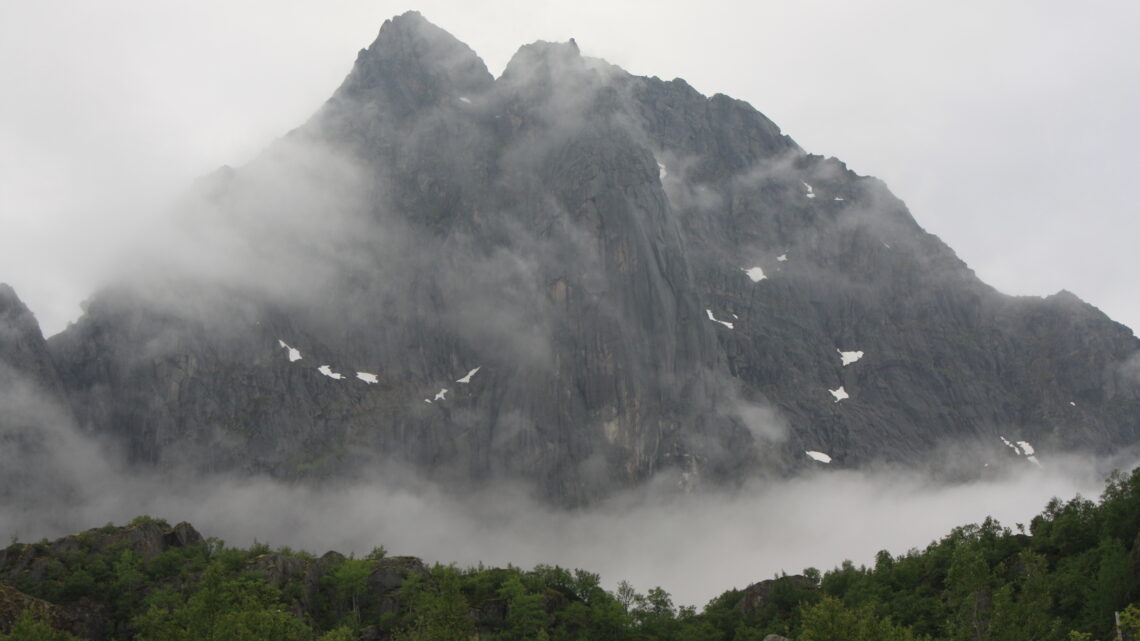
98 148
695 545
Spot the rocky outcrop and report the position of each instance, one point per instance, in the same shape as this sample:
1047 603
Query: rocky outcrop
307 579
82 619
146 538
575 277
381 587
764 593
35 564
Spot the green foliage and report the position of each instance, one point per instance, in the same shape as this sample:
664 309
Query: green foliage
348 581
144 519
1022 608
221 609
440 612
968 586
1108 592
30 627
830 620
1130 621
342 633
525 614
259 548
984 582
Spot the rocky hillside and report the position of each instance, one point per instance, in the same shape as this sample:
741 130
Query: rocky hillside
567 275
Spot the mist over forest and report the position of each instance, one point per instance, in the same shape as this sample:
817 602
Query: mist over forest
566 315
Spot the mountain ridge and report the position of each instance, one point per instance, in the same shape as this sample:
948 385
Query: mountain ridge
650 281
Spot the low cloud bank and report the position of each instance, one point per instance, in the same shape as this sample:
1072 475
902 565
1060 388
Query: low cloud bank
695 546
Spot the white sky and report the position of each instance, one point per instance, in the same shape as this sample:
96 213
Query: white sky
1009 128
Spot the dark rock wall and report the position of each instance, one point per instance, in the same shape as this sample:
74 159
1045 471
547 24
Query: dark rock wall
564 228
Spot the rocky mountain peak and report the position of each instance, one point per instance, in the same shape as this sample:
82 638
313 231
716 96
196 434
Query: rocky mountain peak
551 57
581 279
411 65
23 351
11 307
558 75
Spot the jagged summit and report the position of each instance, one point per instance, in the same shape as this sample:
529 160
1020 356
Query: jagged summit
414 64
8 299
554 56
581 279
23 351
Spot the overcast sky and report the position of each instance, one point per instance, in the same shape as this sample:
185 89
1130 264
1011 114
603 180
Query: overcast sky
1009 128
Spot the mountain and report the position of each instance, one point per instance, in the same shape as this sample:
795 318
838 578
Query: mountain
33 400
568 276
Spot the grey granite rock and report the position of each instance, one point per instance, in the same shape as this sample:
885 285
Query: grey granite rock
581 236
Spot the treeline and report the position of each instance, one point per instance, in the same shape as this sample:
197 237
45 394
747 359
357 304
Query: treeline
1064 578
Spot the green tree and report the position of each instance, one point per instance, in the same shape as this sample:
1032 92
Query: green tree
1022 609
438 613
349 580
627 596
1130 620
968 591
32 627
1120 505
1109 590
525 612
343 633
827 620
222 609
830 620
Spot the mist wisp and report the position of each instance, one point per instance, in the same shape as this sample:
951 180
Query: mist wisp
694 545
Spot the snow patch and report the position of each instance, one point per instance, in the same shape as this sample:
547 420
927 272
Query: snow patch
294 353
441 395
713 319
755 273
1010 445
849 357
885 244
818 456
465 99
367 378
783 258
427 400
661 171
1072 403
1033 460
467 379
810 191
837 198
839 394
1026 448
327 371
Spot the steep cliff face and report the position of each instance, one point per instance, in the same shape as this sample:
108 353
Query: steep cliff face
32 396
23 350
576 277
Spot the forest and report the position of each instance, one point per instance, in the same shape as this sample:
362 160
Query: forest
1070 575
